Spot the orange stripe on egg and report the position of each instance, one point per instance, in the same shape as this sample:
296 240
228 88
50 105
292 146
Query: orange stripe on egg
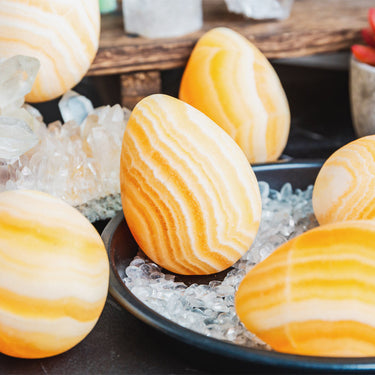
157 221
34 25
186 149
24 306
139 133
344 339
194 146
26 234
150 202
268 84
144 140
16 343
204 90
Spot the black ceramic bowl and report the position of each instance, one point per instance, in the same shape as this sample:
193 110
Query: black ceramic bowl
122 248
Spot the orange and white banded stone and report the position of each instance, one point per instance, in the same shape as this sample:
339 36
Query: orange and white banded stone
62 34
54 275
189 195
345 186
315 295
232 82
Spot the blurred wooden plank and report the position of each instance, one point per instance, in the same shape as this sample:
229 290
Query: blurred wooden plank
315 26
136 86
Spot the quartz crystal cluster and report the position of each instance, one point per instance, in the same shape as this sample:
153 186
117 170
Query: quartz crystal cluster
78 161
162 18
209 308
261 9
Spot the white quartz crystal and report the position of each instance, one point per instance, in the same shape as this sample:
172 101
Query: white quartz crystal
17 75
78 161
74 107
79 164
162 18
261 9
16 138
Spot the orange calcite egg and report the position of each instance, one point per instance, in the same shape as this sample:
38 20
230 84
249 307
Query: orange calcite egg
345 186
315 295
232 82
189 195
62 35
54 274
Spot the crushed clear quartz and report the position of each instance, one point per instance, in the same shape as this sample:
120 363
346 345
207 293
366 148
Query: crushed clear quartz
209 308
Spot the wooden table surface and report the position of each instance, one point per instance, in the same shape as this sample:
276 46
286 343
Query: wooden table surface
314 26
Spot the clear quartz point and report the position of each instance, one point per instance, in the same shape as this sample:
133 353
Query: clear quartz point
16 138
261 9
162 18
17 75
74 106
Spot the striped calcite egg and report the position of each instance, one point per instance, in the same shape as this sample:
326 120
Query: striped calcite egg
315 295
189 195
54 275
63 35
232 82
345 186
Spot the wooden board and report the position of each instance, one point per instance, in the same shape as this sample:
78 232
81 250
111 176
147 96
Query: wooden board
315 26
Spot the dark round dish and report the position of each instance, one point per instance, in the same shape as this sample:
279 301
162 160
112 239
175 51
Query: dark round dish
122 248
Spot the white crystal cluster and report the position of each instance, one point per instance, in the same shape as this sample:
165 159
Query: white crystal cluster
162 18
209 308
78 161
261 9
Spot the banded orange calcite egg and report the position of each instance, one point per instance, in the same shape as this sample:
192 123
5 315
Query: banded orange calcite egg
189 195
54 275
345 186
62 35
315 295
232 82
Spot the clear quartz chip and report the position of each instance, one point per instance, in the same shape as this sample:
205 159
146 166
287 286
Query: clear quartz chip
16 138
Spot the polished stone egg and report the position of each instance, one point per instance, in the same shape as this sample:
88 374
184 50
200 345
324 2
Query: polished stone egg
315 295
345 186
232 82
62 35
189 195
54 274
